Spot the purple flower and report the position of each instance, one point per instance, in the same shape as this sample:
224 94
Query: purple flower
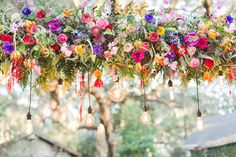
26 11
8 48
229 19
191 38
171 56
97 49
149 18
138 56
54 25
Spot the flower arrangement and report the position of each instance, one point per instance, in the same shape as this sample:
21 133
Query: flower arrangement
129 42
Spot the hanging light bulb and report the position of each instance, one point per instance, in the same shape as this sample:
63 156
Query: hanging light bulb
145 117
117 92
221 78
29 124
199 121
60 88
89 119
171 90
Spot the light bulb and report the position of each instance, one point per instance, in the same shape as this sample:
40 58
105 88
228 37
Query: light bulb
199 123
145 118
60 88
117 93
171 93
89 120
29 127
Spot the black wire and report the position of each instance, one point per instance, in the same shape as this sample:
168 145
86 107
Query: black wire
198 103
89 87
30 90
144 95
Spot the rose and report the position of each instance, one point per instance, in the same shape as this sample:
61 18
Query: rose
102 23
56 47
194 63
95 31
153 36
209 63
202 43
149 18
128 47
62 38
86 18
41 14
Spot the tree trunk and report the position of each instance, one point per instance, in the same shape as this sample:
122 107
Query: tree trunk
207 6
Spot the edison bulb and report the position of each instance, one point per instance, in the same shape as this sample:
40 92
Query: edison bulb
171 93
29 127
145 118
199 123
117 93
89 120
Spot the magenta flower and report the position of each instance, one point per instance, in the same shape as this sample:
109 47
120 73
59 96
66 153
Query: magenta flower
191 38
138 56
54 25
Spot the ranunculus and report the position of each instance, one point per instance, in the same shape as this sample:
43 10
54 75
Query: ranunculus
138 56
149 18
41 14
54 25
194 63
128 47
8 48
6 37
202 43
29 40
191 50
26 11
154 36
97 49
86 18
209 63
191 38
102 23
56 47
62 38
96 31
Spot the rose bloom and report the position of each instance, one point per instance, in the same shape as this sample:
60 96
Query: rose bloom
86 18
191 50
62 38
202 43
95 31
102 23
194 63
154 36
209 63
128 47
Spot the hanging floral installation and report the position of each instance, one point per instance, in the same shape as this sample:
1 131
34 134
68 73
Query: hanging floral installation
129 42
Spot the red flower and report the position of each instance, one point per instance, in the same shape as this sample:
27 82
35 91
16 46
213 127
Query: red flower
6 38
29 40
154 36
109 27
41 14
56 47
182 51
95 31
98 83
209 63
202 43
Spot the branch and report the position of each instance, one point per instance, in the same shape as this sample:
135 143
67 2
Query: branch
88 128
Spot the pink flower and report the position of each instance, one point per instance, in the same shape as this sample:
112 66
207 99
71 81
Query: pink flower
96 31
194 63
191 50
114 50
165 62
86 18
154 36
145 47
102 23
62 38
138 56
174 65
128 47
202 43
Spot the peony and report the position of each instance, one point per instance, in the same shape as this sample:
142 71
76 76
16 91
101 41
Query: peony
202 43
194 63
154 36
128 47
191 38
138 56
102 23
62 38
86 18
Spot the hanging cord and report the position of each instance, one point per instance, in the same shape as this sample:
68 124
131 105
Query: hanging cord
89 108
145 107
29 113
198 101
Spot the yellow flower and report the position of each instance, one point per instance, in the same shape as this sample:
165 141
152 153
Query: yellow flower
138 44
138 67
97 73
208 24
158 60
80 50
160 31
67 12
29 25
212 34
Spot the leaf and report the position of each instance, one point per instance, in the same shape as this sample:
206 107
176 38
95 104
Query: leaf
93 57
21 48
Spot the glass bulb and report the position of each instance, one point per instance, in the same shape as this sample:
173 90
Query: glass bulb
60 91
117 93
29 127
89 120
145 118
171 93
199 123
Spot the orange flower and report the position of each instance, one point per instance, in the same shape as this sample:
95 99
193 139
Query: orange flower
212 34
138 67
207 76
158 60
15 55
80 50
97 73
67 12
30 25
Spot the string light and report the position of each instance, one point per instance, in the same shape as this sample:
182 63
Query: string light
171 90
145 117
89 118
60 88
29 124
117 92
199 114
